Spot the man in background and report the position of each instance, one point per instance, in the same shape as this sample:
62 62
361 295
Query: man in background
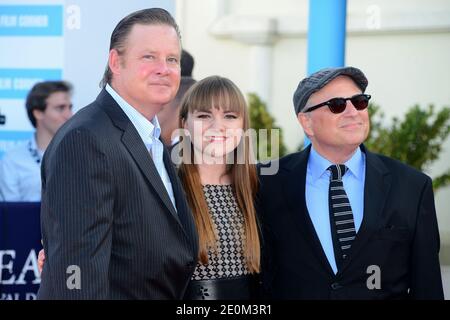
187 64
48 107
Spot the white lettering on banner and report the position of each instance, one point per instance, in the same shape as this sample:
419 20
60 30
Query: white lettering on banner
31 264
25 83
30 296
8 21
10 296
7 266
33 21
7 262
16 296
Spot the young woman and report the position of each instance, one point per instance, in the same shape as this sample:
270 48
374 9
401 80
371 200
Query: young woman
219 176
220 180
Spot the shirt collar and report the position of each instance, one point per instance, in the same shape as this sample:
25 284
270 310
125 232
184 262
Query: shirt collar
356 164
318 165
34 146
33 142
146 129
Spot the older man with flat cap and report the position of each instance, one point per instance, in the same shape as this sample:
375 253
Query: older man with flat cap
339 221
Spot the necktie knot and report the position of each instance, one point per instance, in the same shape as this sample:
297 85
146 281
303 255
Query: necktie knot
337 171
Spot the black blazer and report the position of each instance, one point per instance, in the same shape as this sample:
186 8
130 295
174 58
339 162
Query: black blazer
399 234
106 210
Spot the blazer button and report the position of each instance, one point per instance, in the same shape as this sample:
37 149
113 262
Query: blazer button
336 286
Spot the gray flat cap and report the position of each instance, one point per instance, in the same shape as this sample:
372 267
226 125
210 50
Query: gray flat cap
319 79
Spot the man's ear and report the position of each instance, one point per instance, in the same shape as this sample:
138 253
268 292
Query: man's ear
114 61
306 122
38 114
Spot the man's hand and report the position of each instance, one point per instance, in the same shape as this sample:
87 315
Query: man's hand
41 260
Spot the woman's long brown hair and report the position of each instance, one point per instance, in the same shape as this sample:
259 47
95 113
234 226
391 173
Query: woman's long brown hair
218 92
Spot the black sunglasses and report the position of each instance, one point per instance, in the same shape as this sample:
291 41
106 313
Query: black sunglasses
338 105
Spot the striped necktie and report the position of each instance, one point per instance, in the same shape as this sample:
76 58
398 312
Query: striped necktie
341 216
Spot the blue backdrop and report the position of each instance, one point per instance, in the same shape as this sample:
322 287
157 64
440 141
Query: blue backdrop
20 243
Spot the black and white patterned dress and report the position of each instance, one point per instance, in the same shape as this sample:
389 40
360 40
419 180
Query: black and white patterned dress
228 261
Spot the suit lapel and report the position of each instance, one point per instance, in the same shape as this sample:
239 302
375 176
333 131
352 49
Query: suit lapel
294 190
184 212
136 147
141 156
376 189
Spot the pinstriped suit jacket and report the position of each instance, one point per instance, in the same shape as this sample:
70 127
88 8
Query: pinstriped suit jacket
106 211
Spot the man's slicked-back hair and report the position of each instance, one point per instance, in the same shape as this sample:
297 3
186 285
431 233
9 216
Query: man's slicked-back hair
152 16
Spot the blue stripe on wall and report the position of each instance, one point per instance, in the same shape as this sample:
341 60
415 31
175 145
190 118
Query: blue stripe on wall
16 83
26 20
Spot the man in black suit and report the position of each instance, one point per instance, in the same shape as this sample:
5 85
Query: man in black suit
339 221
115 222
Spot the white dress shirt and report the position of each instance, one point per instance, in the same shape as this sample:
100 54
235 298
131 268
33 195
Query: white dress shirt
20 173
149 131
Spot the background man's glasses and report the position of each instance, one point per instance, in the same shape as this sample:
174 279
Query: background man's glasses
338 105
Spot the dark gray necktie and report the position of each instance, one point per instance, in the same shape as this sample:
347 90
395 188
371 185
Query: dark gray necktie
341 216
